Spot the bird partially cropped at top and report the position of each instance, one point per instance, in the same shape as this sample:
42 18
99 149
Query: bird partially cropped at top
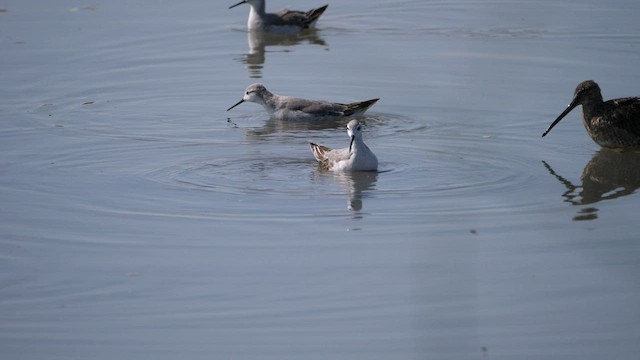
611 124
284 21
293 108
357 157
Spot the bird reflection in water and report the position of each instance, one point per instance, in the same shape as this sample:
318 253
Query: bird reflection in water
609 175
358 185
276 126
258 42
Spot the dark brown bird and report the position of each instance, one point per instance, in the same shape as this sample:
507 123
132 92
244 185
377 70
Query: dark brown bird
612 124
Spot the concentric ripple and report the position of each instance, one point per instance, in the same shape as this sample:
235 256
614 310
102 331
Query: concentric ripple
419 171
240 176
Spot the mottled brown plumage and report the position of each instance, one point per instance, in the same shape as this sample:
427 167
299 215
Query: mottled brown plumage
611 124
320 153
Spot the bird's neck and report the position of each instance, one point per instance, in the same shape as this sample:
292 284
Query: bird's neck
268 101
256 14
258 9
592 107
358 145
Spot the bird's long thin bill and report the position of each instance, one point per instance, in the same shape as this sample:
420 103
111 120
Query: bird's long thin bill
353 137
240 3
238 103
564 113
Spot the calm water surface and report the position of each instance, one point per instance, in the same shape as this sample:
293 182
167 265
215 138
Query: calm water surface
139 220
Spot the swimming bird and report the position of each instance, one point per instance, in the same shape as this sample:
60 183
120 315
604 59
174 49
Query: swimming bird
292 108
612 124
283 21
357 157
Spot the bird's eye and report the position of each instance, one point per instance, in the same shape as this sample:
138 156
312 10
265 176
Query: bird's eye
247 93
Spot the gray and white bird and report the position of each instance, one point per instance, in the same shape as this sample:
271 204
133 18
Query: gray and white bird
357 157
284 21
293 108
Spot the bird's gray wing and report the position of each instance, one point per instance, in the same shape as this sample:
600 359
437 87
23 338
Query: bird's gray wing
317 108
286 17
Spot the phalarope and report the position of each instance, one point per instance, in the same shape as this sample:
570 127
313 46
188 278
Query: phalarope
611 124
292 108
283 21
357 157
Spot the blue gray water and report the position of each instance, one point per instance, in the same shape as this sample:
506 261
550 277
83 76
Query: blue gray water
140 220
